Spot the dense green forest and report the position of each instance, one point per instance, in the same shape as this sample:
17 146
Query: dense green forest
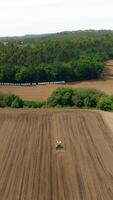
67 59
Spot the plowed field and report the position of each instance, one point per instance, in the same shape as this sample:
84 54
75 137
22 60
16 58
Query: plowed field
32 169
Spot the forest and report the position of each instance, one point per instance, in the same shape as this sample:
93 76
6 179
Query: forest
55 60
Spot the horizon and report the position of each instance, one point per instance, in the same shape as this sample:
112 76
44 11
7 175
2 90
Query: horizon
39 17
49 33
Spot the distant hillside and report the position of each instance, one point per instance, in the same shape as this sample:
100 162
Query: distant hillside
67 56
25 38
59 36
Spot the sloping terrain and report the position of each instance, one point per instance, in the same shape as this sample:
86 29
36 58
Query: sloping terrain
42 92
32 169
108 70
58 36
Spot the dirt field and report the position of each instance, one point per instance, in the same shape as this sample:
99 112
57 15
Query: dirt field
41 93
108 71
32 169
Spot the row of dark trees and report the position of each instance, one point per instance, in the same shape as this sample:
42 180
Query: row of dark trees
82 69
67 60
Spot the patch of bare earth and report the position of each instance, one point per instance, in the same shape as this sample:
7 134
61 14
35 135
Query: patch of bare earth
32 169
108 118
41 93
108 71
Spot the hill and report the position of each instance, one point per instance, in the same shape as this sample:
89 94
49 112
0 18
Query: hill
50 60
58 36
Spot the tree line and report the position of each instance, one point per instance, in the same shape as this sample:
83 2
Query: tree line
63 97
80 98
51 60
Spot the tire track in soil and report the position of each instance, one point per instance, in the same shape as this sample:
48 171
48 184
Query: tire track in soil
31 168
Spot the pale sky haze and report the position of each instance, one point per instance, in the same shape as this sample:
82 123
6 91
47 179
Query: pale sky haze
20 17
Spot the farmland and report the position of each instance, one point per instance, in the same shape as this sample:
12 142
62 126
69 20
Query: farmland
42 92
31 168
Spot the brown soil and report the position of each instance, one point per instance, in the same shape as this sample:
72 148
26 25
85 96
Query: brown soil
32 169
108 71
41 93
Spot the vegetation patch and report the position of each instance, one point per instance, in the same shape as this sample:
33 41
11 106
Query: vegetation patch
80 98
10 100
55 60
33 104
63 98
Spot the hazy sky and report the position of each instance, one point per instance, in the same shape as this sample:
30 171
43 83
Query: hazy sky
19 17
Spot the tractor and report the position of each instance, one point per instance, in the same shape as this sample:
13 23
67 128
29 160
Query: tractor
59 145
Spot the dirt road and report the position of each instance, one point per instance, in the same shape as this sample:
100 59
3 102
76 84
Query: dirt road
32 169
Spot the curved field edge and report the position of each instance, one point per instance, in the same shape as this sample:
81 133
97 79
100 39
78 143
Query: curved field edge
41 93
31 168
108 118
